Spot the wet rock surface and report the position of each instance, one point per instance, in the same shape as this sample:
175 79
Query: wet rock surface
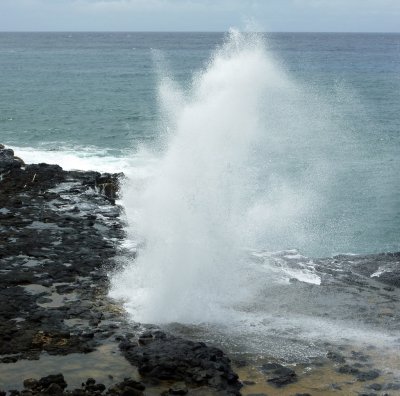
359 289
161 356
59 235
279 375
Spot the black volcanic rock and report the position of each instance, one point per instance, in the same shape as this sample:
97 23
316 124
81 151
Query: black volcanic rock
8 161
43 243
164 357
279 375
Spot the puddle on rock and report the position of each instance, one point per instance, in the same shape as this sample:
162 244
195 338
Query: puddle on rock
76 322
56 300
39 225
105 365
30 263
36 289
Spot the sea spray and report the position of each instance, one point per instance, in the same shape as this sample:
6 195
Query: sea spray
214 189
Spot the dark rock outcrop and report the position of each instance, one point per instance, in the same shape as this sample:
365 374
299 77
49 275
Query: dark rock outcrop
160 356
279 375
8 161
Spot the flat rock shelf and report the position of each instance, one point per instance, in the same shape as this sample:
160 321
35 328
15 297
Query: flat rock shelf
59 234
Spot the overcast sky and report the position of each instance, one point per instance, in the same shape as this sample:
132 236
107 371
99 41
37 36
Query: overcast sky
200 15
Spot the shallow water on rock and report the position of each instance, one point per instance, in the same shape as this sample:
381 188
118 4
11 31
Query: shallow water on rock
105 364
323 377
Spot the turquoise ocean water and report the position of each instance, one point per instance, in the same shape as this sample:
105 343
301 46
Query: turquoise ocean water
89 100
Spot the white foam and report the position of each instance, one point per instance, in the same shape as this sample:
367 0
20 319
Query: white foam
380 271
79 158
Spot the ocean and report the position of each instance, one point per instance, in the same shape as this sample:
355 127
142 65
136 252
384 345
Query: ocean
92 101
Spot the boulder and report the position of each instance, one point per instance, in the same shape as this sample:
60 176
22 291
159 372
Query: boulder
8 161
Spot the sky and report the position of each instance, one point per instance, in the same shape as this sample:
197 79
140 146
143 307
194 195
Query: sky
200 15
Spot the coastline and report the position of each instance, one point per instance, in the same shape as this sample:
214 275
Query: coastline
60 232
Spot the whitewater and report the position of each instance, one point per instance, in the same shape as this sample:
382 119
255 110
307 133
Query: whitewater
207 212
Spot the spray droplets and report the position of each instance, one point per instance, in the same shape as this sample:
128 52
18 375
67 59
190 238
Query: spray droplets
214 189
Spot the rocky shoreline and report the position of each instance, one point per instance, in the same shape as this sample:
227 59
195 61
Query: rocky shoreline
60 235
